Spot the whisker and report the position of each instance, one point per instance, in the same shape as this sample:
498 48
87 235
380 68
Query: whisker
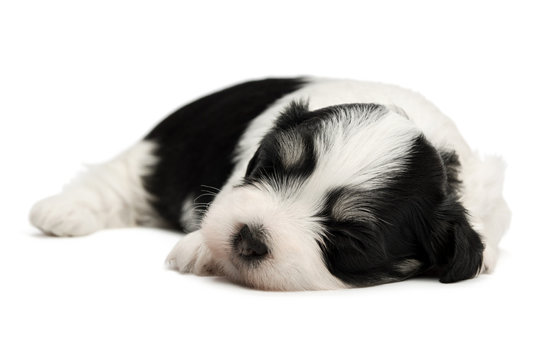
202 195
212 188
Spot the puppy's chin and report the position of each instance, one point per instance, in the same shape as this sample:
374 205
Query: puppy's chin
293 260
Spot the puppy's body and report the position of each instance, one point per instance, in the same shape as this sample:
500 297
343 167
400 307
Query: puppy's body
322 184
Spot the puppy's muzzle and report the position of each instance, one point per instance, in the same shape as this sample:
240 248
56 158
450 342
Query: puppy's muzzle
250 244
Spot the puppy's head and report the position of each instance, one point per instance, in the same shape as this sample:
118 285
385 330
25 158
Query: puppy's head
349 195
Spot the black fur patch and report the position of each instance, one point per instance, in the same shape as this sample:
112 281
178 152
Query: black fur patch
294 114
196 142
415 218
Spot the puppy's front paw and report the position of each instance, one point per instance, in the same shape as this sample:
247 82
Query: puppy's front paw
191 255
490 255
61 215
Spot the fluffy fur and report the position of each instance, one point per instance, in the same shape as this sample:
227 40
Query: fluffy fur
298 184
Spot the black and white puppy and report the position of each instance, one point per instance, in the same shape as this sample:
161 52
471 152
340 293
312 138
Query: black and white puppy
297 184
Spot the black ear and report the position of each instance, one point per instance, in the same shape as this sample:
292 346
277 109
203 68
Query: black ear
295 113
455 248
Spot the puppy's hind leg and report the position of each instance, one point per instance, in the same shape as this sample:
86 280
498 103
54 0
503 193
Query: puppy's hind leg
108 195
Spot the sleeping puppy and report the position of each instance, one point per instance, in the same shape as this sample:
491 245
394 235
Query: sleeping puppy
301 184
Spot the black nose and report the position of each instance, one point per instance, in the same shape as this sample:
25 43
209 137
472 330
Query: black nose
250 244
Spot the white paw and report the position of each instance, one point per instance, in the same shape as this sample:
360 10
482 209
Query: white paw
61 215
191 255
490 257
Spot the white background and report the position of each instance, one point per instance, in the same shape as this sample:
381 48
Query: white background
80 82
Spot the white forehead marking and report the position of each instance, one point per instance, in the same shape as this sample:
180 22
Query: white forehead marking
362 153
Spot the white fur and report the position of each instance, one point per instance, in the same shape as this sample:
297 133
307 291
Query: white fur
363 151
108 195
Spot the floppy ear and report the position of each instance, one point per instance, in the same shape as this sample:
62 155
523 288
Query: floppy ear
455 247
